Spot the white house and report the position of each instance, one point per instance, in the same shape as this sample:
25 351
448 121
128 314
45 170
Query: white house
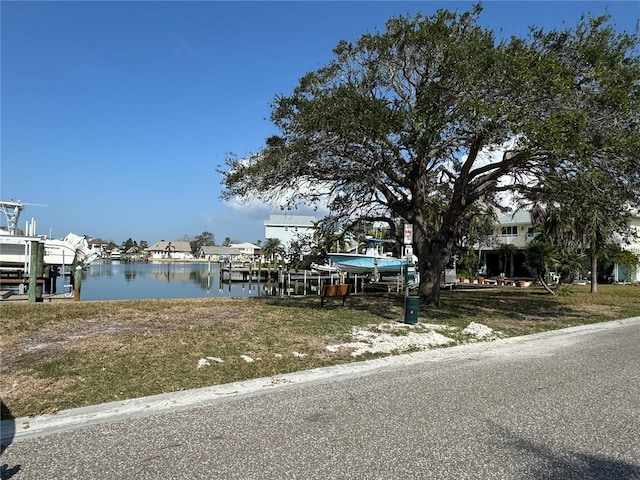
289 228
631 244
514 229
517 230
248 250
178 250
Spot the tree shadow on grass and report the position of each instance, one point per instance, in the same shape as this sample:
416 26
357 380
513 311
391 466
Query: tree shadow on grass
388 306
555 463
460 305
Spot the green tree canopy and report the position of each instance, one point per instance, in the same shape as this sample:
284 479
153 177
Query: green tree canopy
433 116
205 239
272 250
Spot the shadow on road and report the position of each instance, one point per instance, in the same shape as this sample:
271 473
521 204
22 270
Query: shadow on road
556 463
7 432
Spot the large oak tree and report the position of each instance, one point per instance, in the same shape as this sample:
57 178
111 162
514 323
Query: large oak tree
435 115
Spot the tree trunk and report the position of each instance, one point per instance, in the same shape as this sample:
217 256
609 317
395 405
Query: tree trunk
432 258
429 289
594 273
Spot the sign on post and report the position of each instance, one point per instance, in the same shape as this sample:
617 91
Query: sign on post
408 234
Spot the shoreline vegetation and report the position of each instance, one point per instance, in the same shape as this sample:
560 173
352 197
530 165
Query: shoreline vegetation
63 355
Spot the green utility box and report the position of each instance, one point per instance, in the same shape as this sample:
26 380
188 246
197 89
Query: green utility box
411 305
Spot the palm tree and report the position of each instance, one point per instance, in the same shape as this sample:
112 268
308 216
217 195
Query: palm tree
169 248
272 249
540 255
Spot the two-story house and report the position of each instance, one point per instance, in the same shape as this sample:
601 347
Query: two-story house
248 251
504 251
289 228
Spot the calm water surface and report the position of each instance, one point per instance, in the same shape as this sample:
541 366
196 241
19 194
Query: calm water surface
125 281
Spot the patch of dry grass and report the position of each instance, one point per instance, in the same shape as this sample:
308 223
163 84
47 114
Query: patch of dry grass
62 355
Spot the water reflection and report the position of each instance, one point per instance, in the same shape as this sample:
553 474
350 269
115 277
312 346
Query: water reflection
115 281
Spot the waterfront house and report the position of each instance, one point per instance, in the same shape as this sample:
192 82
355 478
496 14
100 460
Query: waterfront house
289 228
220 254
248 250
177 250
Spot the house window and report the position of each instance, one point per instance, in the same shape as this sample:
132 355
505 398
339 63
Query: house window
510 230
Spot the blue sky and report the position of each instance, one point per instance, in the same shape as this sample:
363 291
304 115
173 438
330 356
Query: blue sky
116 114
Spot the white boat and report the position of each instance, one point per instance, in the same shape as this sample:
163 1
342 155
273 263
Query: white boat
370 262
15 248
115 254
85 254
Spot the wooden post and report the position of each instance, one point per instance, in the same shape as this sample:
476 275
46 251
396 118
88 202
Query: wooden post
33 270
40 271
77 283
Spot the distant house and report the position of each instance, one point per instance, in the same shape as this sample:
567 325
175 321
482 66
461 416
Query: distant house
178 250
220 254
135 254
249 250
98 245
289 228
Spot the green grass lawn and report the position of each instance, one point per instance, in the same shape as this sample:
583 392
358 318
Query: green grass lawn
63 355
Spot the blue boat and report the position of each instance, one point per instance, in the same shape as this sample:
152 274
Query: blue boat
370 262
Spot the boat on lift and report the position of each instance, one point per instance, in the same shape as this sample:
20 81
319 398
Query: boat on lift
15 246
373 261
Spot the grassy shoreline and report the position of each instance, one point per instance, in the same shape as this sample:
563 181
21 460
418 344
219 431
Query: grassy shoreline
58 356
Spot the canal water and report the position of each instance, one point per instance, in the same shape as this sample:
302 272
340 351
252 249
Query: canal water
123 281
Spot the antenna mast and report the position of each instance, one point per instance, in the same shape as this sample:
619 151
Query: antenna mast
11 211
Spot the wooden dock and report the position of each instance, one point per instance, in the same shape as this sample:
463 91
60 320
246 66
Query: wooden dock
7 296
303 282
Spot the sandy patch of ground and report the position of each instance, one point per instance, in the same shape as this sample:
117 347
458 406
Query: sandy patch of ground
397 337
394 337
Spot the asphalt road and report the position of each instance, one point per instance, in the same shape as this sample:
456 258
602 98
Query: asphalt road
559 405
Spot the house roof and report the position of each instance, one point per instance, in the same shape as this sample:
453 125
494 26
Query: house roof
98 241
519 217
177 246
214 250
245 245
291 220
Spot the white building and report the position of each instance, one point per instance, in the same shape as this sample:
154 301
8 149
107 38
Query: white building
517 230
631 244
289 228
178 250
248 250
